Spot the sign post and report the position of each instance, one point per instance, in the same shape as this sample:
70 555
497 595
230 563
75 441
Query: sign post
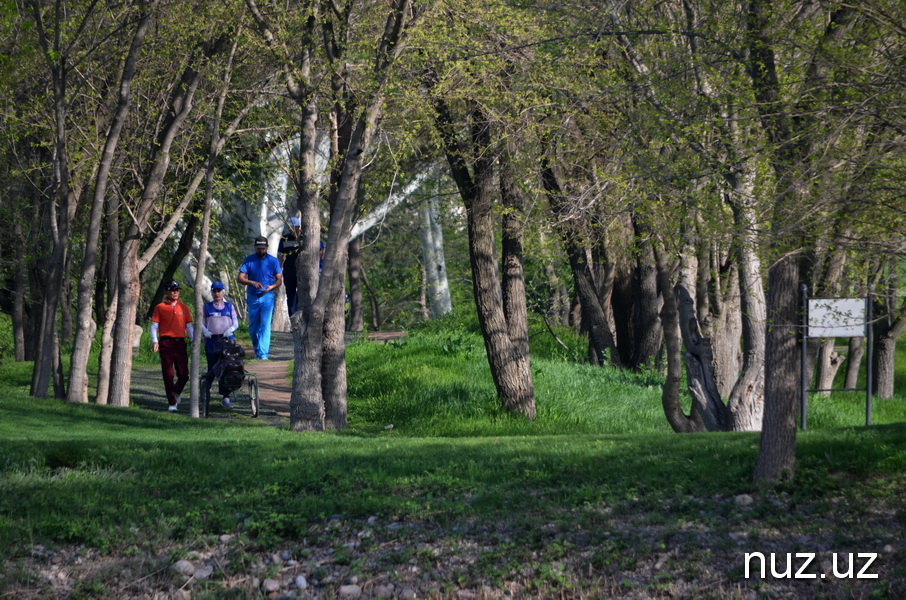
834 318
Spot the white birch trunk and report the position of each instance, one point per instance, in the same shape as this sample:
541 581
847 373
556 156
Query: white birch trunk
430 234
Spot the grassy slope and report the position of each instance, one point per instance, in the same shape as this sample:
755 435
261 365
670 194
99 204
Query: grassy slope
110 478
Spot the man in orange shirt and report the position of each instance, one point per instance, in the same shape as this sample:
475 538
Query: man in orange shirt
171 321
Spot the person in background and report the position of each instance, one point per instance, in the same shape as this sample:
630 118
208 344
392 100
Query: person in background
290 244
261 274
170 323
219 322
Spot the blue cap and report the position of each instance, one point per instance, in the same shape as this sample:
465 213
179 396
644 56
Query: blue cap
173 285
217 285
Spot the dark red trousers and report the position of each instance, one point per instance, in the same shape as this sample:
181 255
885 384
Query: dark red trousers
174 357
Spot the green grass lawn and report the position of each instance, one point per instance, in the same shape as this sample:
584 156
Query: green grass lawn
599 475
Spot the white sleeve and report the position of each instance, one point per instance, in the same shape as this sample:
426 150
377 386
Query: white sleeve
235 324
154 326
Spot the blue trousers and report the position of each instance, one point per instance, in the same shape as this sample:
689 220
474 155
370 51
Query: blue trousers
261 312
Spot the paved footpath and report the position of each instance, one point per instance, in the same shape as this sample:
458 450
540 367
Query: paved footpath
274 382
274 376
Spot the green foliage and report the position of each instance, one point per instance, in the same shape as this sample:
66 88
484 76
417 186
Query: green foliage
7 347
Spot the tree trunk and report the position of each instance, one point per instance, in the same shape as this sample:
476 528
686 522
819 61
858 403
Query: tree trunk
213 152
429 274
106 354
699 365
558 307
321 355
441 293
307 403
829 284
85 326
595 322
356 319
112 249
885 335
430 235
48 339
64 200
777 449
854 361
180 104
719 315
828 363
746 399
66 330
646 324
333 363
622 303
513 281
670 318
372 299
510 370
423 293
509 366
724 327
20 320
128 293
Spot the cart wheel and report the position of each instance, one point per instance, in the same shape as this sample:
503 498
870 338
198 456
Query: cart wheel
205 403
253 394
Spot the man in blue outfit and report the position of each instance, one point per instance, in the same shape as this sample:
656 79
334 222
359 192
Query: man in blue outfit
261 274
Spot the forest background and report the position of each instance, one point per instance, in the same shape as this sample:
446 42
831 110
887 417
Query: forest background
663 177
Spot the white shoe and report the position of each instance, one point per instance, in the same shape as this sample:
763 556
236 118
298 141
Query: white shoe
172 408
226 402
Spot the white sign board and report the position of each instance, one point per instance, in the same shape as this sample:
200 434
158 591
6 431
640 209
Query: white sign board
836 317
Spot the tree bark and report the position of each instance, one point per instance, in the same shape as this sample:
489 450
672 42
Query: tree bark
130 264
746 399
602 346
558 306
827 363
670 318
20 319
788 127
510 370
373 302
777 454
355 321
647 330
63 206
333 363
854 361
432 241
888 326
112 250
699 365
513 282
86 327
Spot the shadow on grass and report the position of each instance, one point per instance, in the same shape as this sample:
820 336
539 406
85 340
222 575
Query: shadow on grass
101 476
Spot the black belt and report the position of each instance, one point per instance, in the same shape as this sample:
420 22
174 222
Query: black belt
170 337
